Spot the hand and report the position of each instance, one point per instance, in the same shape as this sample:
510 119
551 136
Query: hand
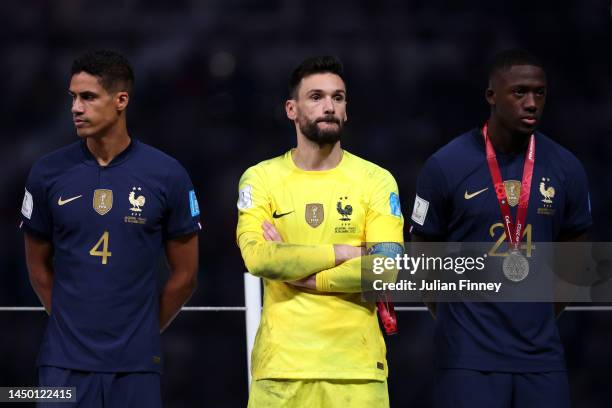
309 282
270 233
346 252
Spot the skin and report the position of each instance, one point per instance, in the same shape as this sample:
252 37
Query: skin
517 97
514 94
320 99
99 117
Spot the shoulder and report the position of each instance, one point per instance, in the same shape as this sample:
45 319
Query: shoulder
155 156
58 161
274 167
459 150
158 164
366 170
556 153
458 158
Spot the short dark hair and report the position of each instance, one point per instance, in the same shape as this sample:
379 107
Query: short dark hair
113 69
314 65
506 59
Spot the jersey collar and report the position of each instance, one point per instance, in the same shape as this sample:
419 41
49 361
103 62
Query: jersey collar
89 158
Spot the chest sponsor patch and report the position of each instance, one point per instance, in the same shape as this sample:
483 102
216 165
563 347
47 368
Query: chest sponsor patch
419 213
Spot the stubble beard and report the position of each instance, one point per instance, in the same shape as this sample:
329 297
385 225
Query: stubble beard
315 134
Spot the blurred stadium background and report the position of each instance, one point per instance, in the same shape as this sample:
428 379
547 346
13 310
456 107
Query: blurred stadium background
210 86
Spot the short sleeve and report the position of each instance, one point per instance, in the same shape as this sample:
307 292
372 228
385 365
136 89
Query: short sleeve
182 208
35 213
430 212
253 203
384 221
577 214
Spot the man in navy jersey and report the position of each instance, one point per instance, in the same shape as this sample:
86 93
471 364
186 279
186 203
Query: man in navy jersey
502 354
97 216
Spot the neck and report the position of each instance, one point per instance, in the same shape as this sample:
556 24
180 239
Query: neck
505 140
314 157
108 146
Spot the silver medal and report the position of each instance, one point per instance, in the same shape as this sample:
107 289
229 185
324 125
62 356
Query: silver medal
515 266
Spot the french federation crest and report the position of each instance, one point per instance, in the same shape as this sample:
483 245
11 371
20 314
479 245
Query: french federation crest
548 192
314 214
102 201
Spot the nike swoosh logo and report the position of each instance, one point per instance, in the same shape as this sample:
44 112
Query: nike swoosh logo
468 196
66 201
275 215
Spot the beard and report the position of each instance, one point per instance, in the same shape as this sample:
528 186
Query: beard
311 130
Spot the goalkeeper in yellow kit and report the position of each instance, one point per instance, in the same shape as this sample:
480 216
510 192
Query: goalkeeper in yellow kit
302 219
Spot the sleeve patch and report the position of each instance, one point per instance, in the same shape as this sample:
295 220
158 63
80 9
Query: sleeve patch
28 205
420 210
193 204
394 204
245 198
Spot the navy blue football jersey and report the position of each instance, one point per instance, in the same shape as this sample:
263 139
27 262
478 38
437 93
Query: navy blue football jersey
107 225
456 202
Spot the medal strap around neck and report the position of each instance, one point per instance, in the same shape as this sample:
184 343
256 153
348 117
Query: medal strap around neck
513 231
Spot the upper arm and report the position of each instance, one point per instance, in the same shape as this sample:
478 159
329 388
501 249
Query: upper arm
253 206
577 214
182 253
182 214
384 220
35 212
430 213
38 252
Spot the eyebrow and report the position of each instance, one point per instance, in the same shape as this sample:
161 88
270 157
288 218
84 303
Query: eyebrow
322 91
82 93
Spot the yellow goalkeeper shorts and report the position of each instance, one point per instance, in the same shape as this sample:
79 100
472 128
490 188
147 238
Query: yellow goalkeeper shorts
318 393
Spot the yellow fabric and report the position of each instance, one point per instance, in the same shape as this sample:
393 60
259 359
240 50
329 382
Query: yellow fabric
307 334
318 393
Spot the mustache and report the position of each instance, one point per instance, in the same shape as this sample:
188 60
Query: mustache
329 118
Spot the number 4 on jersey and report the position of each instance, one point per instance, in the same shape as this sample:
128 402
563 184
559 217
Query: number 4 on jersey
105 252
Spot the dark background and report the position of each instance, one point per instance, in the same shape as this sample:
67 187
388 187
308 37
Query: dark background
210 87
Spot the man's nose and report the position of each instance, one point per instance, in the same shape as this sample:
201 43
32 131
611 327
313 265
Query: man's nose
328 105
530 103
77 106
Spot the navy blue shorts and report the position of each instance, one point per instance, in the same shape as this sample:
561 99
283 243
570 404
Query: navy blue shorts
103 390
459 388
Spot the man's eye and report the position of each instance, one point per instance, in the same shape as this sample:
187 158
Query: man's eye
315 97
339 98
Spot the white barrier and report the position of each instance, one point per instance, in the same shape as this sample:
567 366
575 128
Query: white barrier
252 303
252 309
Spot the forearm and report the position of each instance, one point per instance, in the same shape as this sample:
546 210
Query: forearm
176 293
41 278
284 262
344 278
347 277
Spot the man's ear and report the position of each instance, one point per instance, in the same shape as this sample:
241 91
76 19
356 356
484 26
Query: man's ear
121 100
291 109
490 95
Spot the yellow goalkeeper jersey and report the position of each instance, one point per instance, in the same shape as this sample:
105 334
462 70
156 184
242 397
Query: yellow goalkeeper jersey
330 333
